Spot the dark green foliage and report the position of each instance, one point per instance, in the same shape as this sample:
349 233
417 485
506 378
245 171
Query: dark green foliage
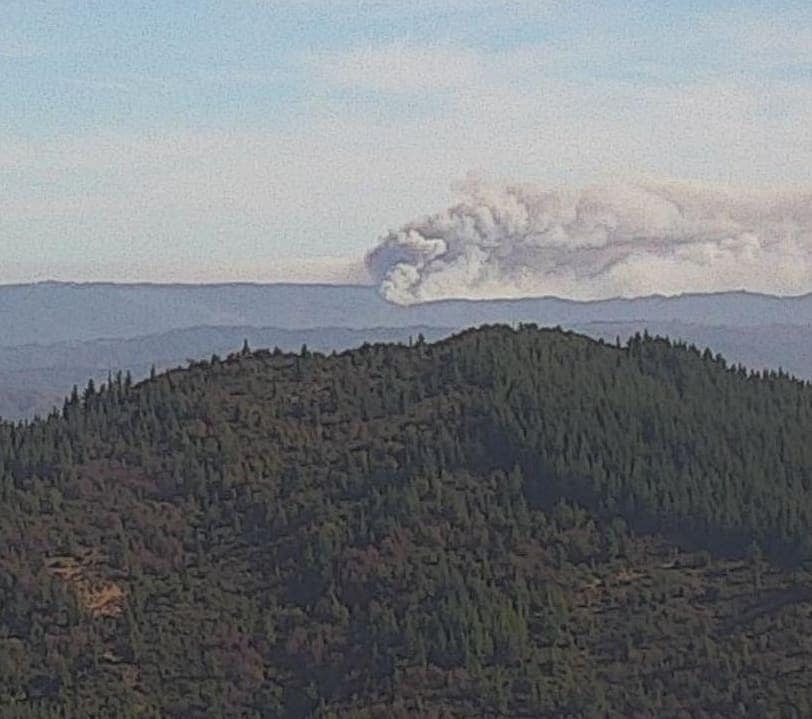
509 523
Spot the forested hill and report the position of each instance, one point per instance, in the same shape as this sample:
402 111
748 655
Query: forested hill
511 522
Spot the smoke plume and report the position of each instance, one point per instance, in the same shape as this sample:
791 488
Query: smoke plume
603 241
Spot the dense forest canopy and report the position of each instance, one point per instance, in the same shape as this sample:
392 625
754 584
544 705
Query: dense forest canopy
512 522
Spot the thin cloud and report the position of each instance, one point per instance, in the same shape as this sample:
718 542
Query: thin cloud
19 49
400 67
375 137
756 43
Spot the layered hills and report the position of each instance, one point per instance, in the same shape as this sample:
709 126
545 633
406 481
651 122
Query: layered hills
55 335
50 312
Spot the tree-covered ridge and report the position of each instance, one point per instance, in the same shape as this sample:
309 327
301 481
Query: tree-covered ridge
484 526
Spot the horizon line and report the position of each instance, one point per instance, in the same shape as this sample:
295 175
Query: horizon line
350 285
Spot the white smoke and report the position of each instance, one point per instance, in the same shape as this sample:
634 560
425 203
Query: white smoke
606 241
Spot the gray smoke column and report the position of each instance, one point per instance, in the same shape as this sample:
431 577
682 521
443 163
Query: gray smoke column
603 241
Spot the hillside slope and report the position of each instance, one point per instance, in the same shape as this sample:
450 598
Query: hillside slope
513 523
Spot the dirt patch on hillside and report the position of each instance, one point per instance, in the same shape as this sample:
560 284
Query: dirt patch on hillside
101 597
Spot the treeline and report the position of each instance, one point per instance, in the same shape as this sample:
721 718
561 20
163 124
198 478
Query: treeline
512 522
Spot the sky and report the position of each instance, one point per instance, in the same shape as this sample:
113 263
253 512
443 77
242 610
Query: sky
261 141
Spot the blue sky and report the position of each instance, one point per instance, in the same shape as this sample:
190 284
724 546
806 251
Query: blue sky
264 140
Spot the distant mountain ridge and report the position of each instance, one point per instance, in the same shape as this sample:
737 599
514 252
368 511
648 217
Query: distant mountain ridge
54 312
